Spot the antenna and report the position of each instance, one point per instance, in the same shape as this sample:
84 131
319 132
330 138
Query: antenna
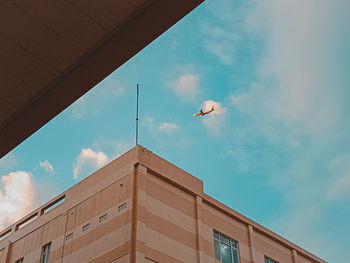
137 114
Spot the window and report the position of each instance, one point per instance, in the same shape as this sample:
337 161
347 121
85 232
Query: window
269 260
19 260
26 221
53 205
226 249
5 234
45 253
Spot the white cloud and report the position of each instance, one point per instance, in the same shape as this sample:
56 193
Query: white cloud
239 100
149 122
167 127
219 43
186 86
340 188
157 134
216 119
17 196
225 37
47 166
292 87
296 107
8 161
112 147
89 159
295 99
158 128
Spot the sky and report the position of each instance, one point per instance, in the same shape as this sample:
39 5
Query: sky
275 149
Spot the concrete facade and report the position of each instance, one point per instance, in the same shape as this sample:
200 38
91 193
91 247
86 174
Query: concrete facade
140 208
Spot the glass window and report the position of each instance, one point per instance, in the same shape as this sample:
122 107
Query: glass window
217 249
226 255
269 260
226 249
234 243
19 260
235 255
216 235
45 253
225 240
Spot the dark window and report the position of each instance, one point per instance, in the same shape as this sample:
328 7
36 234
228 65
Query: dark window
226 249
19 260
45 253
269 260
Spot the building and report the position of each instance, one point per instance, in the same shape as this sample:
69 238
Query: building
141 208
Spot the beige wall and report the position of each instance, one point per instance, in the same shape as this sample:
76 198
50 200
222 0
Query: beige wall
141 208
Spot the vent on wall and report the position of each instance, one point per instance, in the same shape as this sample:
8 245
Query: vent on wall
121 207
86 227
53 204
69 236
26 221
5 234
103 217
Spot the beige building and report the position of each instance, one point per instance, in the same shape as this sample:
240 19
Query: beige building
141 208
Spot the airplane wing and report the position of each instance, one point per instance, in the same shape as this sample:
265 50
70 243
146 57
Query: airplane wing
204 113
209 111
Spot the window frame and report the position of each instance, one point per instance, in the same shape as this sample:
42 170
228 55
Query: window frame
270 260
45 254
230 241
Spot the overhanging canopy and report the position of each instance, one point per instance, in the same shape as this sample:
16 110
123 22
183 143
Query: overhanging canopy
53 52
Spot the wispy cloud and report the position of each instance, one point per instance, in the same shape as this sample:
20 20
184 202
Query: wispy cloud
224 38
296 103
167 127
88 159
293 87
161 127
219 43
47 166
102 93
113 147
216 119
17 196
8 161
339 188
186 86
105 150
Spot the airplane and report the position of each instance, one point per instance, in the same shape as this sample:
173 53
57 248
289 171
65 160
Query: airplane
202 113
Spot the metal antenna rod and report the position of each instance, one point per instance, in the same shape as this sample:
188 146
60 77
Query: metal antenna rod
137 114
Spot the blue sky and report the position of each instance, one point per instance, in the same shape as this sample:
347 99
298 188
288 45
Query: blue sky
276 148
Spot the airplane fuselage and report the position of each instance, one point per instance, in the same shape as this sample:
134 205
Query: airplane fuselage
202 113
